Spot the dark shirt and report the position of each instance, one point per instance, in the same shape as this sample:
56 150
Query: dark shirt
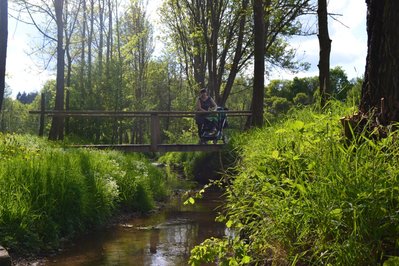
206 104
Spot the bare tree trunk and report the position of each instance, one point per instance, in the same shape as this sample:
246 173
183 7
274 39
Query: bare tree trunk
380 90
259 67
57 125
89 52
325 49
119 73
83 53
109 39
3 47
101 41
237 56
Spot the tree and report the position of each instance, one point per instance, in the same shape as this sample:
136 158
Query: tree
25 98
3 47
325 49
49 21
259 64
215 38
339 83
381 80
57 125
137 45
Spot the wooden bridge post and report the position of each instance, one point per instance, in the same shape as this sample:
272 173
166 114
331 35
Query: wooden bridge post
155 132
42 113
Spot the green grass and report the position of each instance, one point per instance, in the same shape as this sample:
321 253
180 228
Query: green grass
48 192
304 196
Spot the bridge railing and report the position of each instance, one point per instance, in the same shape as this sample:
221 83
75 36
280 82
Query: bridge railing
154 116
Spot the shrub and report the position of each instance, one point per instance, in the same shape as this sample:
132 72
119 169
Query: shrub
48 192
304 196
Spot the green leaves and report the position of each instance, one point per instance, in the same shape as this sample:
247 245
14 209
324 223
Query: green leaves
190 200
48 192
299 190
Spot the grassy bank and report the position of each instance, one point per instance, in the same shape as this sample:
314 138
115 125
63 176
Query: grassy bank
304 196
48 193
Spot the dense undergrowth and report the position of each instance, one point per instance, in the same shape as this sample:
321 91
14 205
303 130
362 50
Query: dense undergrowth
49 193
201 166
302 195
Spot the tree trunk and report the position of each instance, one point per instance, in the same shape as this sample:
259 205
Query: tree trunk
101 41
237 57
89 52
325 49
380 90
259 67
57 125
83 54
3 47
109 41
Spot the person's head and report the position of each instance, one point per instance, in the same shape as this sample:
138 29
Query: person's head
203 92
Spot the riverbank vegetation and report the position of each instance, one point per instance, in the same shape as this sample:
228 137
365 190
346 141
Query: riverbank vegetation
305 195
49 193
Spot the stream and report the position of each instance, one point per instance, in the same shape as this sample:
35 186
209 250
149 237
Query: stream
162 238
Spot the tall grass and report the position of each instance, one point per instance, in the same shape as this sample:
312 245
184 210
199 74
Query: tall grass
48 193
304 196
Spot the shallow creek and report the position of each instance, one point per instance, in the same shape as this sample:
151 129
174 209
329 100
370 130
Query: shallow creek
163 238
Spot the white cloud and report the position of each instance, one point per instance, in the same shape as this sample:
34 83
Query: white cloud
349 41
22 72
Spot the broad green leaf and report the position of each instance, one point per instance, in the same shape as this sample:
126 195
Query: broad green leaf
297 125
190 200
337 213
275 154
246 259
229 223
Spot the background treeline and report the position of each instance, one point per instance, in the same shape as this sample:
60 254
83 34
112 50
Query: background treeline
105 53
280 97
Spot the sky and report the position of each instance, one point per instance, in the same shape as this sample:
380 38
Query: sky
347 32
349 41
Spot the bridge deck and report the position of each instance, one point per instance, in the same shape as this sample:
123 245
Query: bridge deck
159 148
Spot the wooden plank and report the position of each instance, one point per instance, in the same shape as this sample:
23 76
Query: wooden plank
159 148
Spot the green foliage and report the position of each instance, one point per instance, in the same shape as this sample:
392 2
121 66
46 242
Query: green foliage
301 99
353 96
302 195
340 85
182 160
48 192
15 117
225 252
201 166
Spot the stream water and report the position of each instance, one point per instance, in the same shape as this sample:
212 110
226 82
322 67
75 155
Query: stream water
163 238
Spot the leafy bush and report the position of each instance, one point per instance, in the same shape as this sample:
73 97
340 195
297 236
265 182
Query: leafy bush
301 99
304 196
48 192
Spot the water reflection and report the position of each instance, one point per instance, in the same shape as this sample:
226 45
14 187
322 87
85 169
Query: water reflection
165 238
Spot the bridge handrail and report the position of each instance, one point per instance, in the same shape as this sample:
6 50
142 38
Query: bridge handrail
97 113
153 115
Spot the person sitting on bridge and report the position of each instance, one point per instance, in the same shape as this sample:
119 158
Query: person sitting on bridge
204 103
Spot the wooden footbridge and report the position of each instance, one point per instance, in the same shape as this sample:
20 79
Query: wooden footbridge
155 130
